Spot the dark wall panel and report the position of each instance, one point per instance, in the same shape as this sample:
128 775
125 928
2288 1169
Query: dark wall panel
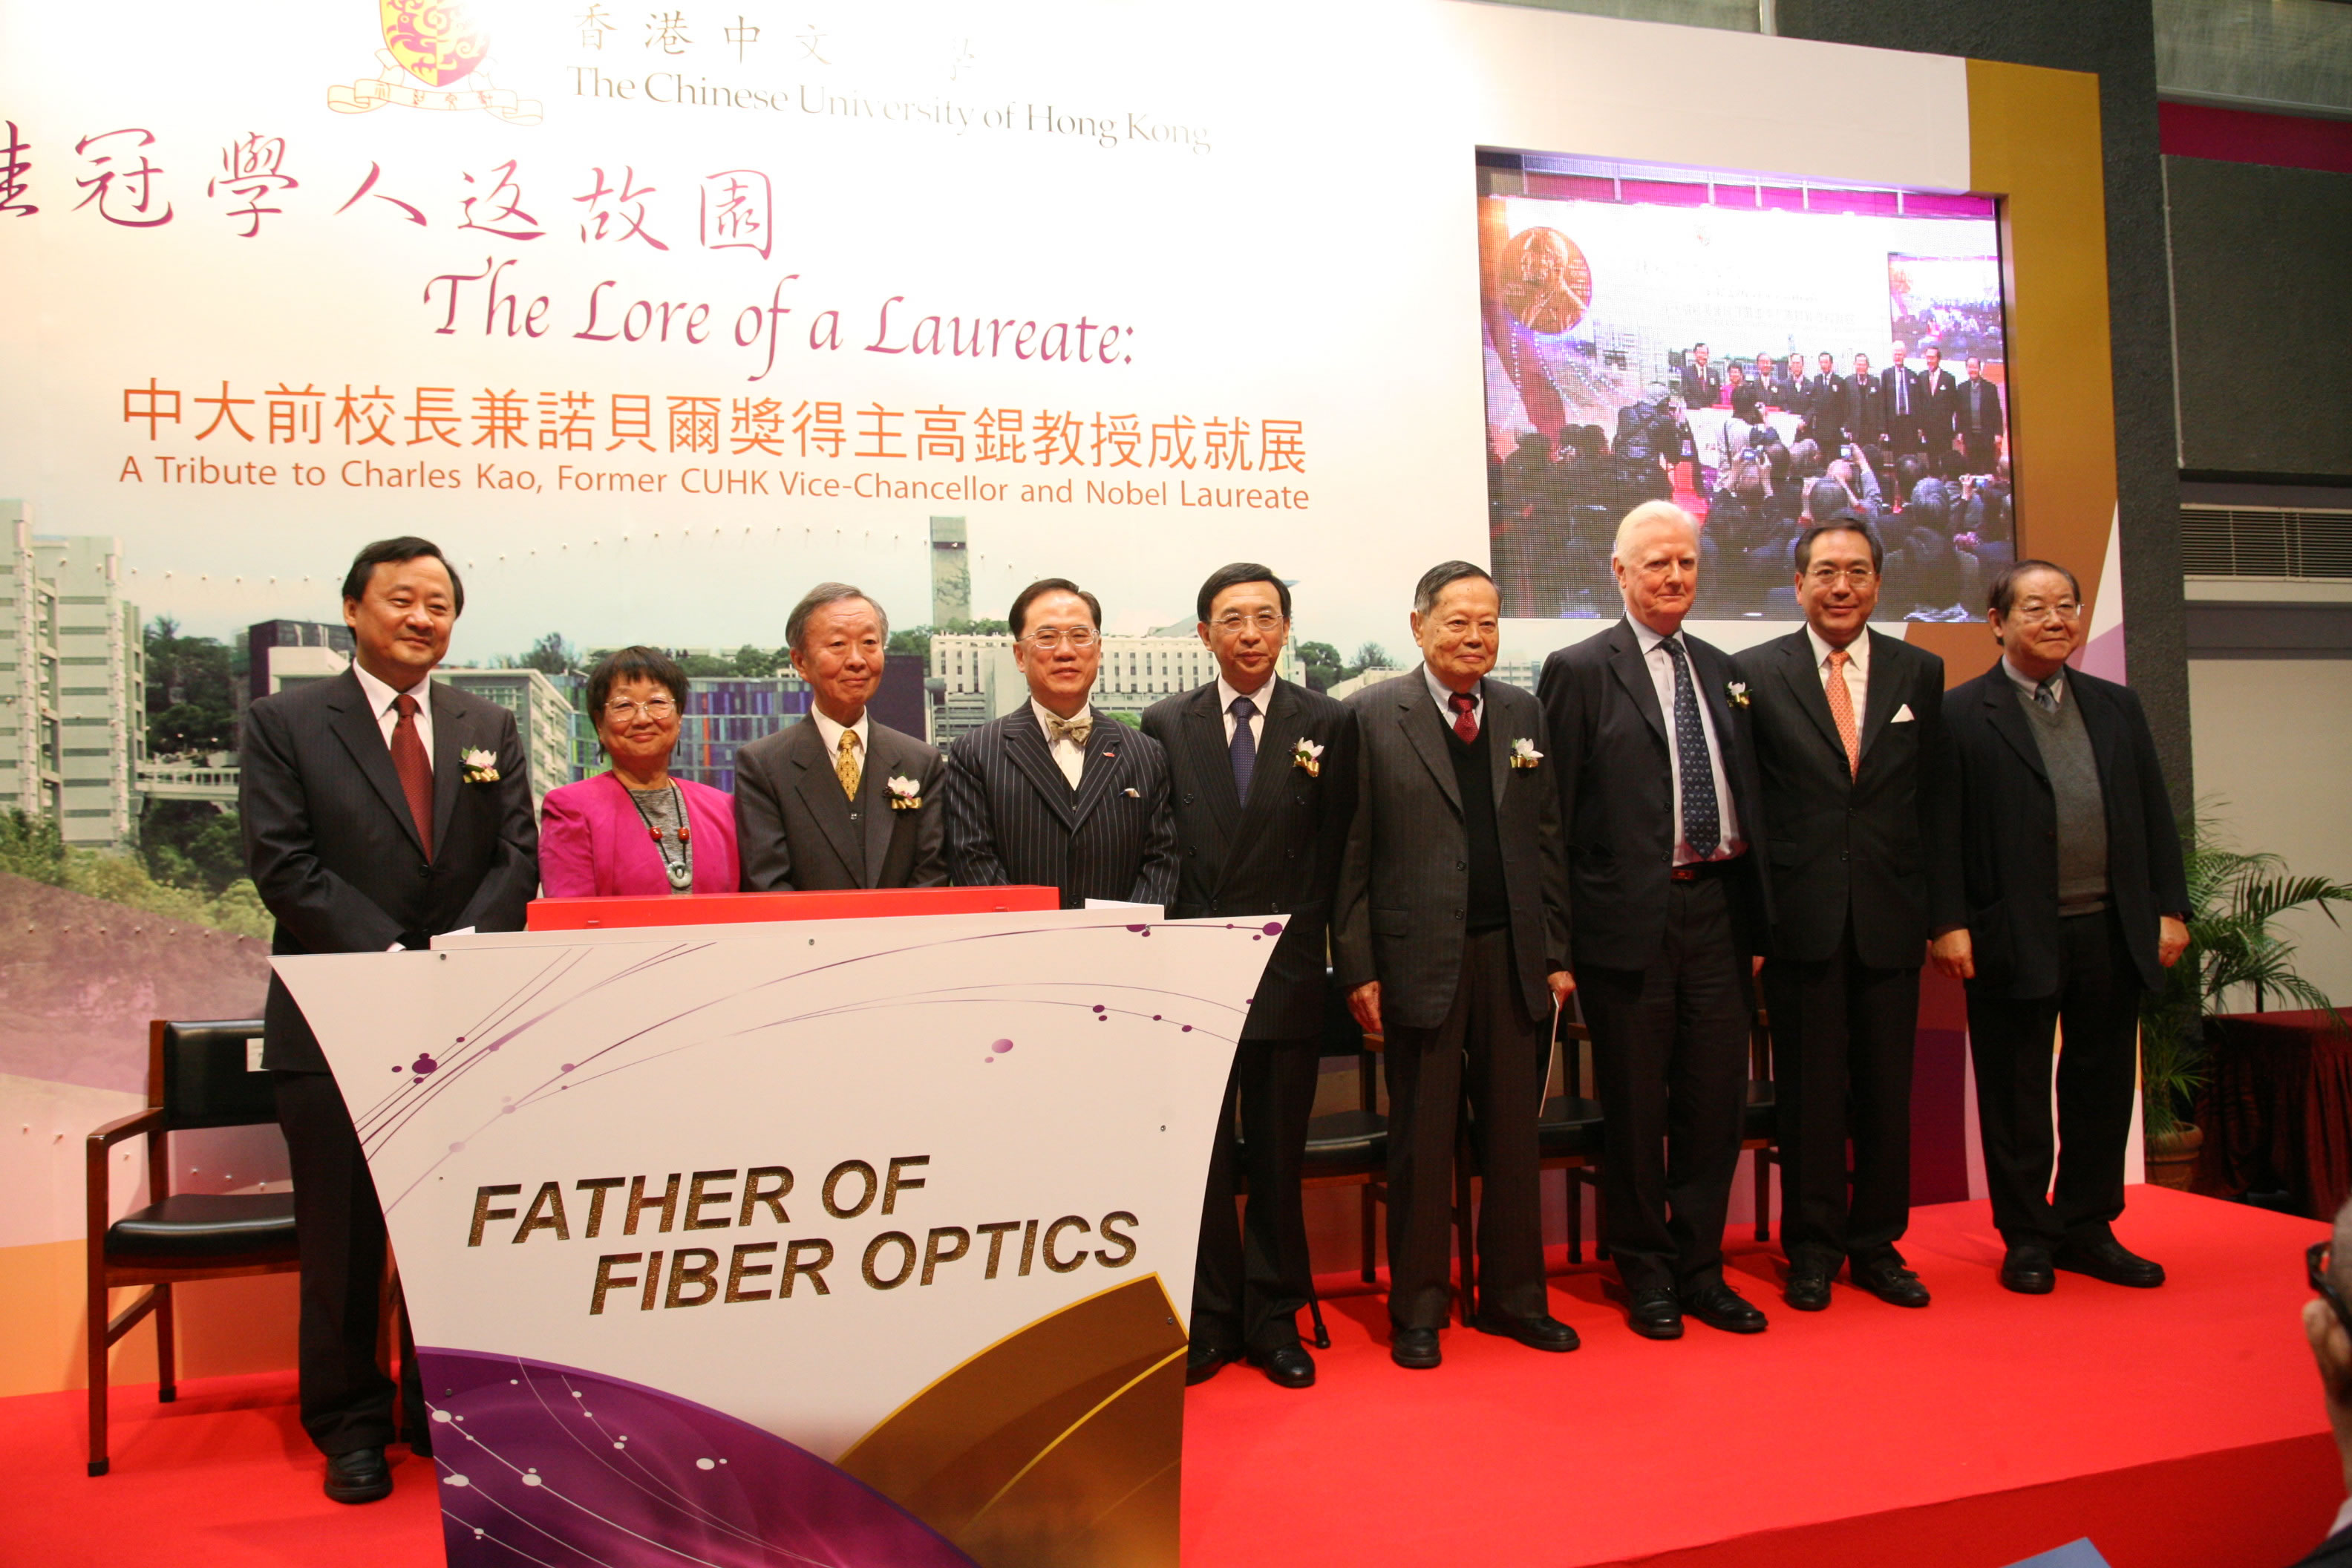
2261 279
2116 39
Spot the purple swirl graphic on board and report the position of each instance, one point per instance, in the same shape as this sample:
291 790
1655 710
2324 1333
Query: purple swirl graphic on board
547 1464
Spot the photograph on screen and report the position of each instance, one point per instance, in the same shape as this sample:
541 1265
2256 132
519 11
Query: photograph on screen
1763 353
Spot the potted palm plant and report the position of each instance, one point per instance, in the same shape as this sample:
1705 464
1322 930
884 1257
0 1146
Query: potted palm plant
2233 948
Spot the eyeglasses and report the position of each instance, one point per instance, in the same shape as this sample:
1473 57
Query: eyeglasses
624 712
1079 638
2320 1259
2034 610
1860 576
1265 620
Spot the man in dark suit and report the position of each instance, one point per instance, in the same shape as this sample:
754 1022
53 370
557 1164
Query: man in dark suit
1898 395
1825 407
2075 905
1053 794
1849 731
1451 940
1263 773
1865 411
1702 382
1938 413
1976 410
839 800
1788 392
2327 1323
380 810
1657 777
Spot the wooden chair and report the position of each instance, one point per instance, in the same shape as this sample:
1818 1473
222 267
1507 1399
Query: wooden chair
197 1075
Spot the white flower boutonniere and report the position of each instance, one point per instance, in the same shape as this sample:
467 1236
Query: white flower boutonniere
1308 758
1524 753
481 765
906 794
1737 691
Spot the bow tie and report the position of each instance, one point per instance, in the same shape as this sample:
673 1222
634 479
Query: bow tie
1073 730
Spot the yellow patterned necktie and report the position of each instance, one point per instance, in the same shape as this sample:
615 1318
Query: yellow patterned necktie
845 764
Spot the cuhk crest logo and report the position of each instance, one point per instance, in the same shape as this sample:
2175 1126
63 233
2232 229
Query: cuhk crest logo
433 59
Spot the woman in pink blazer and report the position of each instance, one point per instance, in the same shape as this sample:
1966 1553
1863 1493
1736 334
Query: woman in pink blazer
635 830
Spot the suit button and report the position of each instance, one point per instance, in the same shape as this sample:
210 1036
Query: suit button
1188 797
852 816
1457 914
1462 865
1212 909
423 870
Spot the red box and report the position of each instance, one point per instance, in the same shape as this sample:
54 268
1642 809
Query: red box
731 909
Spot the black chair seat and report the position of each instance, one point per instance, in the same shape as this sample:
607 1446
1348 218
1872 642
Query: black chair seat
1569 1125
1758 1119
204 1227
1347 1138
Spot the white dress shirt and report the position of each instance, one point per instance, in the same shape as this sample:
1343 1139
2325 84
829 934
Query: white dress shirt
831 733
2027 687
1857 669
1442 695
1662 676
1227 695
1068 755
380 699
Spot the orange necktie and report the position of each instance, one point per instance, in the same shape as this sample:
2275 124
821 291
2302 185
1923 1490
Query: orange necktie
1841 709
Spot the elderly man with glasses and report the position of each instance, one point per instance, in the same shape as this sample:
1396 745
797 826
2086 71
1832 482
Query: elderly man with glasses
840 799
2073 904
1053 794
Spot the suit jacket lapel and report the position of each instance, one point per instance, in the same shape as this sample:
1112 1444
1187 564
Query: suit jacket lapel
1025 745
356 727
1499 736
448 767
1418 713
2099 721
1884 694
820 790
1204 732
1104 742
883 759
1798 669
2009 720
1632 671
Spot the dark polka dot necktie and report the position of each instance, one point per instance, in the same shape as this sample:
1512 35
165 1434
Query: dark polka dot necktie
1702 817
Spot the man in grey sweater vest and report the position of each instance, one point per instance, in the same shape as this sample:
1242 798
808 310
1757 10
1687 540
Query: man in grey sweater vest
2077 904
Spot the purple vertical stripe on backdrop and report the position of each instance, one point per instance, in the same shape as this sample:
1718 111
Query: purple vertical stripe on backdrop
1871 203
1572 187
1781 198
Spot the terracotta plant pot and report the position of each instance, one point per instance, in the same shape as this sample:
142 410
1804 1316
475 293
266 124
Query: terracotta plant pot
2172 1159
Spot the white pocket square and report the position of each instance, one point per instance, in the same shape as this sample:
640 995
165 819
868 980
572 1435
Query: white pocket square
1902 715
1132 793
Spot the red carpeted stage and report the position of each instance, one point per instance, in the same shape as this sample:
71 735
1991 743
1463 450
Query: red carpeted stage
2174 1426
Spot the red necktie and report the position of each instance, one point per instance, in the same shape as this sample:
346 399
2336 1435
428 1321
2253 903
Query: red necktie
415 770
1466 717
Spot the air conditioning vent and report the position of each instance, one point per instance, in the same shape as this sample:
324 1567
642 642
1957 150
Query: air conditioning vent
2265 542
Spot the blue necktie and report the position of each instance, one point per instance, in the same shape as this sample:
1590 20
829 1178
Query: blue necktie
1702 819
1244 747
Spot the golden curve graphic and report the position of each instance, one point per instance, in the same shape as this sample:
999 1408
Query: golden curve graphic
1058 1446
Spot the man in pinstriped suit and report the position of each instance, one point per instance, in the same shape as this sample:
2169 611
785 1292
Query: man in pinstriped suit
1053 794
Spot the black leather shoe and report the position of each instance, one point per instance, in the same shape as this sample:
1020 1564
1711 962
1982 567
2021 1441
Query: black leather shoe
1808 1289
1656 1315
360 1476
2104 1257
1202 1362
2025 1268
1286 1366
1416 1348
1718 1306
1887 1279
1544 1333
